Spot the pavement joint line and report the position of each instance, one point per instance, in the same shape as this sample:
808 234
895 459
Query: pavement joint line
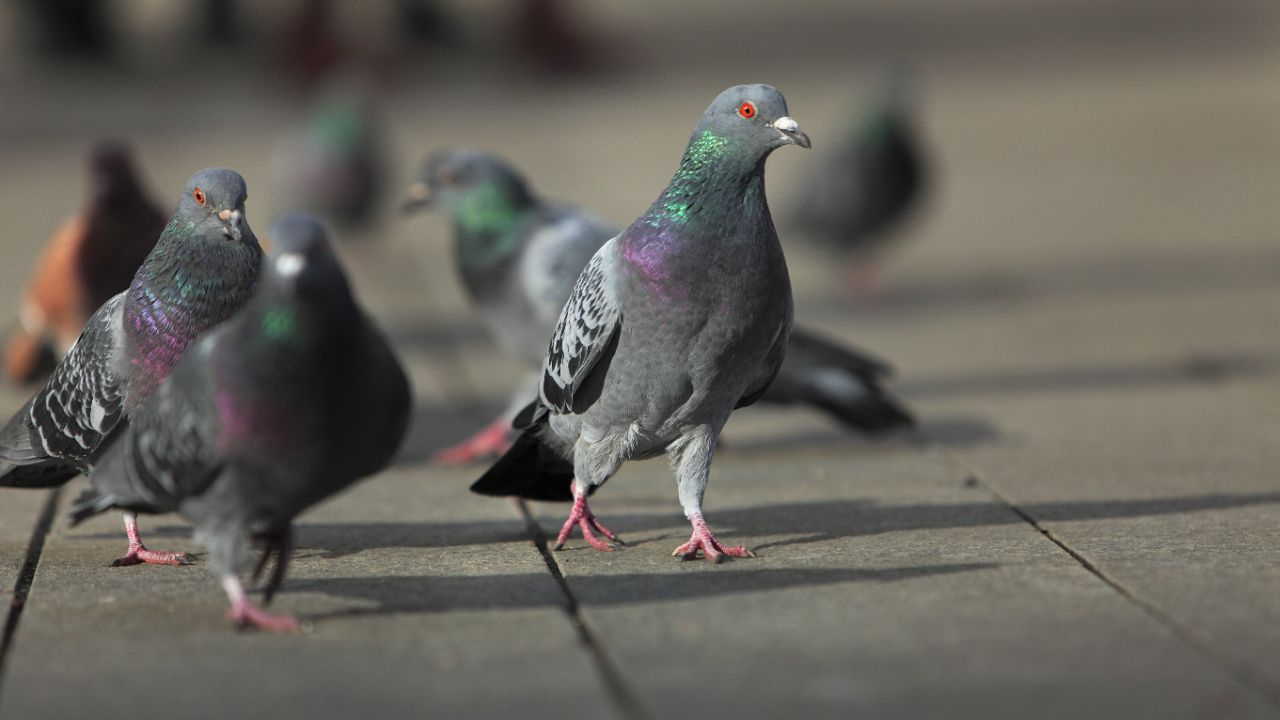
618 691
27 576
1205 648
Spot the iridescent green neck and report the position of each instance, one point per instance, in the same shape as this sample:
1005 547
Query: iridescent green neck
279 323
487 209
875 128
704 161
486 220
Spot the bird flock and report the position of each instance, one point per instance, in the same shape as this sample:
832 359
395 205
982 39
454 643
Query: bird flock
200 376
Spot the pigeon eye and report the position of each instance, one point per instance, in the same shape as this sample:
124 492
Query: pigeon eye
747 109
199 196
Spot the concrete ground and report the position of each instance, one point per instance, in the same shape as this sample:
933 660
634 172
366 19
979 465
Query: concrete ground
1084 319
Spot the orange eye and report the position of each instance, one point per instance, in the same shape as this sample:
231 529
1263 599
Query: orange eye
747 109
199 196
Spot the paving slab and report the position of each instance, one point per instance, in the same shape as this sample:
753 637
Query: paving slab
885 586
442 605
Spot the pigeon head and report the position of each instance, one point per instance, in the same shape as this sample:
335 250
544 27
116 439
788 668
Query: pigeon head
752 119
213 201
112 178
302 261
474 187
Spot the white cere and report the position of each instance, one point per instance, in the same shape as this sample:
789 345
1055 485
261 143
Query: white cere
290 264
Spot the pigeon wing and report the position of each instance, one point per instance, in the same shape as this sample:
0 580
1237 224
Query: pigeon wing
586 335
80 405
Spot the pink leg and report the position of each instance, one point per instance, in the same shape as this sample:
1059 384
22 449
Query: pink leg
710 546
582 516
138 553
492 441
244 614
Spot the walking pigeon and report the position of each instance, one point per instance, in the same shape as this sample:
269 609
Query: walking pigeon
677 321
292 400
90 258
202 270
856 200
518 257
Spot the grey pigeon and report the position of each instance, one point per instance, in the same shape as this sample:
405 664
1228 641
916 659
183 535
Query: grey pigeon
677 321
292 400
518 257
862 193
202 270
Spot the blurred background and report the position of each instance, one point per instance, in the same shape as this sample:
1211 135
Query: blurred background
1071 149
1081 304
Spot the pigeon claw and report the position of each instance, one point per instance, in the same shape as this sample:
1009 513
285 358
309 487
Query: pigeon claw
246 615
140 555
703 540
582 517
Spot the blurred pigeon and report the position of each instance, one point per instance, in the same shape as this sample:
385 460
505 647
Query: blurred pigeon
334 165
89 259
76 29
202 270
292 400
519 256
864 190
675 322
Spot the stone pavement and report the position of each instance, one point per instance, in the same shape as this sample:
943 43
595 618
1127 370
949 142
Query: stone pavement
1085 322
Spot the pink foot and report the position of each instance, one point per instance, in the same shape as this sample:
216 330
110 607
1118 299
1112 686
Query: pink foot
139 554
582 516
245 614
492 441
702 539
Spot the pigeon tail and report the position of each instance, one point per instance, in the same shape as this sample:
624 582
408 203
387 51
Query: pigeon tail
24 464
874 412
90 503
841 381
531 469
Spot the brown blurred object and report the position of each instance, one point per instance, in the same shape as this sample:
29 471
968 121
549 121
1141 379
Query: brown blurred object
308 44
548 35
89 259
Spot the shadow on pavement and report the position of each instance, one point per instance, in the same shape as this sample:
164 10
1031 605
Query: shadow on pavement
1190 369
821 520
813 521
390 595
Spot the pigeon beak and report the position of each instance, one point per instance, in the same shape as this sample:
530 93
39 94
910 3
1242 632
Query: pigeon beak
231 220
417 197
790 129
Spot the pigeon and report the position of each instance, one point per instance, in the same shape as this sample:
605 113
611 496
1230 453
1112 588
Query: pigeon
675 322
861 194
202 269
293 399
519 256
90 258
333 164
